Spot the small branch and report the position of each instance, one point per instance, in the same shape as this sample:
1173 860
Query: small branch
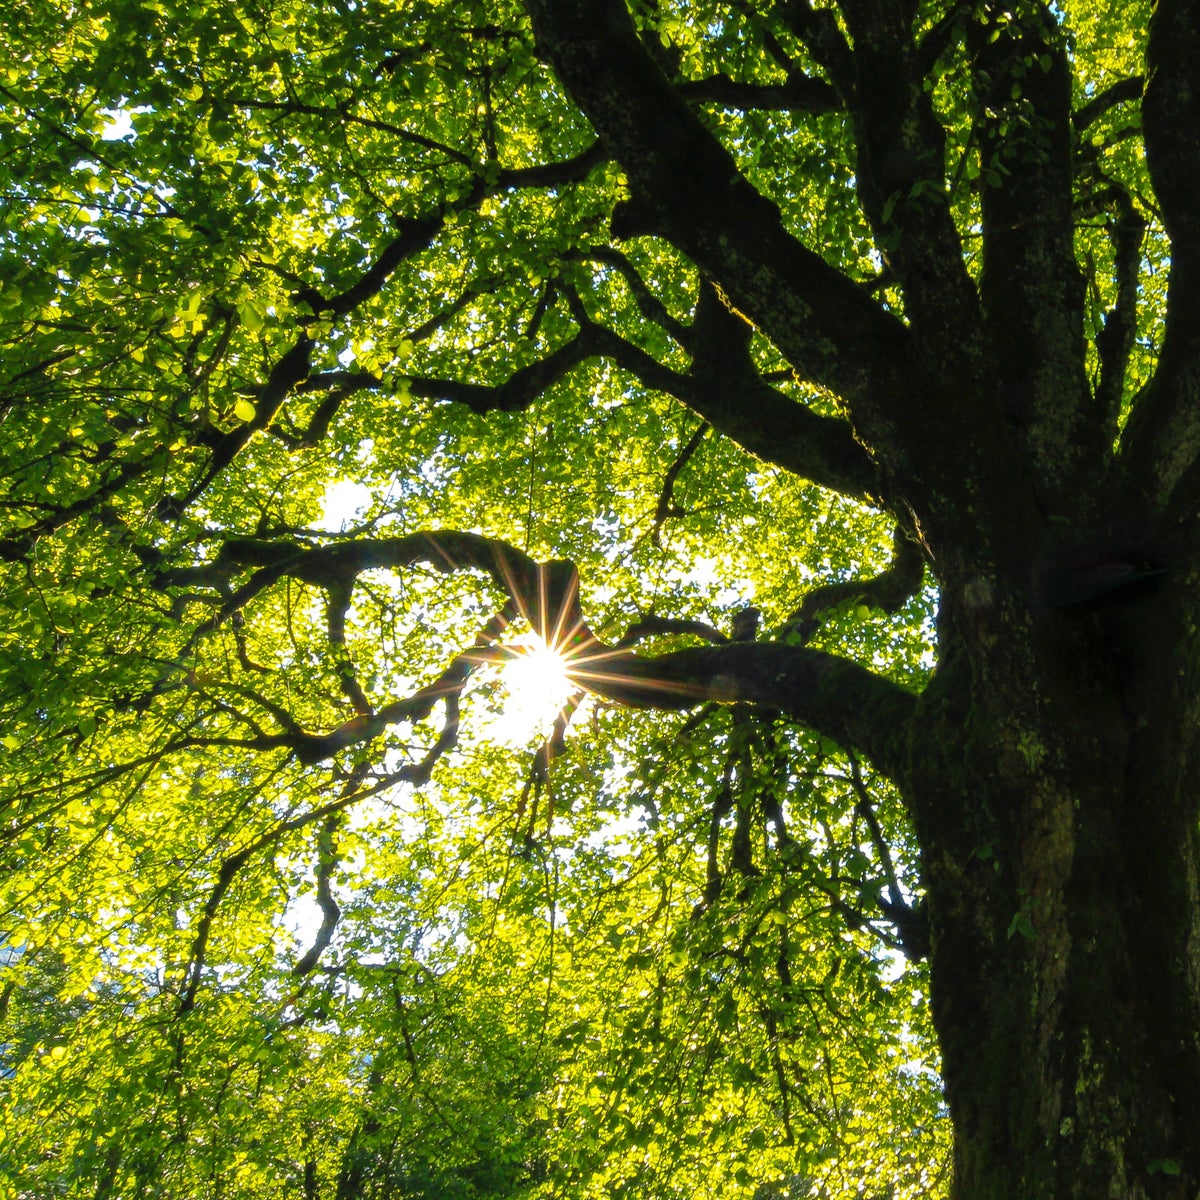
290 370
866 809
339 598
890 590
549 175
659 626
910 921
1124 91
649 305
818 29
721 807
520 389
327 861
943 35
801 93
1115 341
415 234
666 498
340 114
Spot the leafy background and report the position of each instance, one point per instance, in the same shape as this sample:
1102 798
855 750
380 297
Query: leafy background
664 970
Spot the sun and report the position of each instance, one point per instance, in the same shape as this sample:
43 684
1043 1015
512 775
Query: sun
537 687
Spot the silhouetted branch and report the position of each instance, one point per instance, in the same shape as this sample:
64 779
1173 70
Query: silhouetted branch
666 498
890 590
834 696
800 93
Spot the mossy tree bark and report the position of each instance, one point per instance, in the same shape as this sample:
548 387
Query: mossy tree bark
1054 791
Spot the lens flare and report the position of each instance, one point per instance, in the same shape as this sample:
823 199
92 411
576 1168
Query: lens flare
538 689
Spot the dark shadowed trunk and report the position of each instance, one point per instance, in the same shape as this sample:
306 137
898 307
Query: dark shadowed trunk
1053 787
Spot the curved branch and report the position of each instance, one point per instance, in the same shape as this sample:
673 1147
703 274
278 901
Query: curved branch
289 371
335 114
686 187
288 374
514 394
556 174
890 590
415 234
1161 444
1124 91
520 389
331 913
666 506
658 626
833 696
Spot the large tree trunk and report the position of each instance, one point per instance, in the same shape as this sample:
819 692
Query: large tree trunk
1054 788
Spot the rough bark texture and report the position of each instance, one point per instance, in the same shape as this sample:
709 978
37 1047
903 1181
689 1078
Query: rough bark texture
1051 786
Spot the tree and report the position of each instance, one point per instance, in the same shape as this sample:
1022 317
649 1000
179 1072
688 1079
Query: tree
714 343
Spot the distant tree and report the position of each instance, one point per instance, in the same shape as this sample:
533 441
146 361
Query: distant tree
820 381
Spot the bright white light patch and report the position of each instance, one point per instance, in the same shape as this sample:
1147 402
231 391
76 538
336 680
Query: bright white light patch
345 502
537 689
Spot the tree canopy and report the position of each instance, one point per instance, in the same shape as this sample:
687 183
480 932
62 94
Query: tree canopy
806 377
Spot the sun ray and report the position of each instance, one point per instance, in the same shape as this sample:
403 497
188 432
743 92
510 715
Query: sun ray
538 689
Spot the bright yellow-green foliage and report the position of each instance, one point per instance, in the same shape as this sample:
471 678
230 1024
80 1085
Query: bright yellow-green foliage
658 969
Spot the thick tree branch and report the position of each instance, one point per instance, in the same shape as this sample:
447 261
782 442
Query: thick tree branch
1032 288
901 184
726 390
831 695
1161 444
800 93
668 626
723 387
1171 120
685 187
834 696
818 29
